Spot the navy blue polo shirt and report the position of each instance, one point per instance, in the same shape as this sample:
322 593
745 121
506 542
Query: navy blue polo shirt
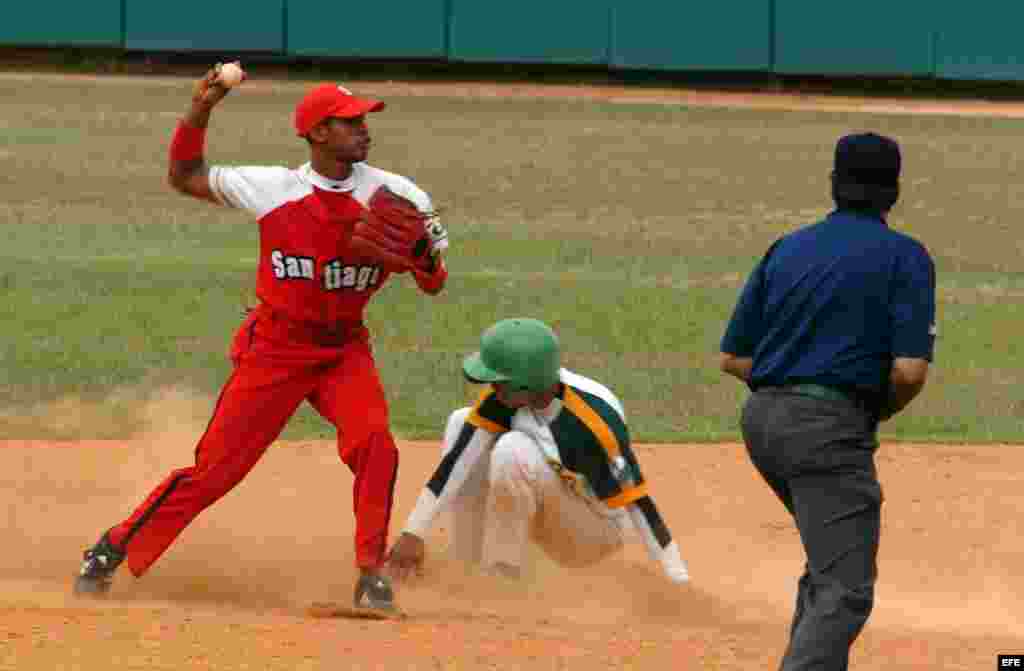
834 304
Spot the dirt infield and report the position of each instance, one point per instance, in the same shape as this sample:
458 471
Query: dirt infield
230 594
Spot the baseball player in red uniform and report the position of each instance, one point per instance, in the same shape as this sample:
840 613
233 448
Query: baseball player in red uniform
306 340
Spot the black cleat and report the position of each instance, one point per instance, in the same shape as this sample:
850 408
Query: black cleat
98 566
374 594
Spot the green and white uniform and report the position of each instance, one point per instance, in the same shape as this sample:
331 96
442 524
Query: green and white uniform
565 476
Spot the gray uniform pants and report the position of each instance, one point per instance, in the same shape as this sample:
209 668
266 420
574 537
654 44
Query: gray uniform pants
818 457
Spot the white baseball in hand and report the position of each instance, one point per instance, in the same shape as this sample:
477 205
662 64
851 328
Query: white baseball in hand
230 75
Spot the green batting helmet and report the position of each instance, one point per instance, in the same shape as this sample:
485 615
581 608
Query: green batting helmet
520 352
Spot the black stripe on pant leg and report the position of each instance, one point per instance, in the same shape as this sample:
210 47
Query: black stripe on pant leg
653 517
391 499
149 512
174 483
216 407
444 469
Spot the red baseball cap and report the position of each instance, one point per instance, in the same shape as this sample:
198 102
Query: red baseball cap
330 100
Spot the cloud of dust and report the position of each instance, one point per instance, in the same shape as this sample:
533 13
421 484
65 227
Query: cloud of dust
620 589
283 538
58 499
134 411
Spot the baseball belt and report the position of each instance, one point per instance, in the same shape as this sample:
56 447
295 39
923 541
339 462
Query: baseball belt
824 393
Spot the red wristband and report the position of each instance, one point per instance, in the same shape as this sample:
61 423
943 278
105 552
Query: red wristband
188 142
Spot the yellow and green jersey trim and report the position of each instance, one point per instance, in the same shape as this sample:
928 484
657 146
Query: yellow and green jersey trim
608 430
599 427
490 414
591 437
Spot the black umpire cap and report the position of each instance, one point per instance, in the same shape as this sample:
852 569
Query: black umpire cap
867 171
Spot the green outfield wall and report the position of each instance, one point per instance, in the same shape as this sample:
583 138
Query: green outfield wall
980 40
733 35
97 23
870 37
367 30
974 41
530 31
228 26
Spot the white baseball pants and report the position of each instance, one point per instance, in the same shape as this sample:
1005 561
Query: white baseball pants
512 495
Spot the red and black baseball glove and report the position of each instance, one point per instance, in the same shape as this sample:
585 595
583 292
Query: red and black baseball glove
393 233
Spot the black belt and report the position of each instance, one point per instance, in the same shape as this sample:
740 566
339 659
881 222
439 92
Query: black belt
825 393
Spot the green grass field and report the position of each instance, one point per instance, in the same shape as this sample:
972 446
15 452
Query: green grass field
629 228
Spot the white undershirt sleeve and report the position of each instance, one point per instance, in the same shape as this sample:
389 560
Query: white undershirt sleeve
659 543
255 189
448 478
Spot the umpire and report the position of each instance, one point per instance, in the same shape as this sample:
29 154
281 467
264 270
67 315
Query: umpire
833 332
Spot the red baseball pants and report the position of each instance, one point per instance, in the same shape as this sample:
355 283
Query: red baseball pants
274 372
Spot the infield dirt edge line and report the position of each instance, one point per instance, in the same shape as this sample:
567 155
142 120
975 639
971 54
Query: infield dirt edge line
681 97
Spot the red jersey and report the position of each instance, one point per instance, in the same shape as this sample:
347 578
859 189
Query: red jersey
306 270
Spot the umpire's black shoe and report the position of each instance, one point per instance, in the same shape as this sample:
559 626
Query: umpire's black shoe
374 594
98 566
